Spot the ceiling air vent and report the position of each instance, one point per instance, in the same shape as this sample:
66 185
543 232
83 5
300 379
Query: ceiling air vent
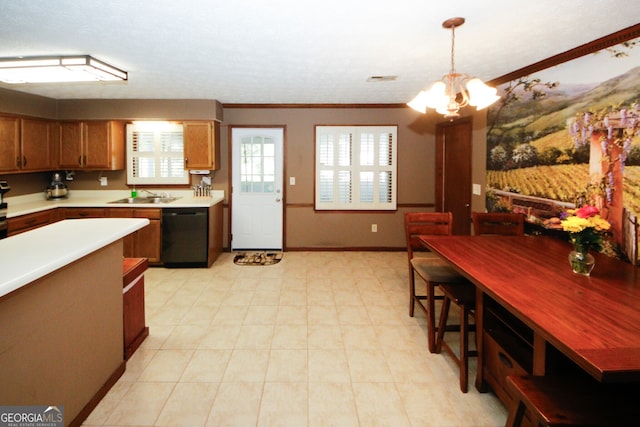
382 78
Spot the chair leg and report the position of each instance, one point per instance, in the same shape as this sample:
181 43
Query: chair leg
515 417
412 292
462 359
464 348
431 318
442 325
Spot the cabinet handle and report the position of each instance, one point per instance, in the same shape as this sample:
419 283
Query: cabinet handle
186 161
505 360
80 160
18 161
84 160
24 161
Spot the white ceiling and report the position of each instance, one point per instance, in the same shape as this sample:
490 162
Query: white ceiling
297 51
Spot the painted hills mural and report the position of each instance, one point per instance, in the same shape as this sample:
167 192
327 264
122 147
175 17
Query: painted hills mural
535 164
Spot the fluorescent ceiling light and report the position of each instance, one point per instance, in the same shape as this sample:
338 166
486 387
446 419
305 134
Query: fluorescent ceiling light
57 69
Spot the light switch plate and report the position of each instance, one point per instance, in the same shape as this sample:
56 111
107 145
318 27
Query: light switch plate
103 181
292 180
477 190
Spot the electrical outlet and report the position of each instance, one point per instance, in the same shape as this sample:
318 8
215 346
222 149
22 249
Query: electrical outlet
103 181
374 228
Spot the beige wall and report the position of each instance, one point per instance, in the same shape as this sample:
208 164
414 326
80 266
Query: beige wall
305 228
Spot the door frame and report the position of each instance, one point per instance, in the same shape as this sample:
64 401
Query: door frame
284 175
466 124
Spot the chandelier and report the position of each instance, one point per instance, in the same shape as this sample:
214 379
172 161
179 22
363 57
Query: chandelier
455 90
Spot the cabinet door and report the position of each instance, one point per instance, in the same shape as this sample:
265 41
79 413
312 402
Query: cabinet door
201 145
71 145
35 145
128 249
147 241
54 144
96 145
9 144
28 222
92 145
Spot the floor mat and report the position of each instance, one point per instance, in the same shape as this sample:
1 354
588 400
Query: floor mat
257 258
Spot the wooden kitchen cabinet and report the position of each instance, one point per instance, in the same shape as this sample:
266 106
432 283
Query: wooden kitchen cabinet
201 145
135 329
79 213
97 145
22 223
38 143
146 242
9 143
28 145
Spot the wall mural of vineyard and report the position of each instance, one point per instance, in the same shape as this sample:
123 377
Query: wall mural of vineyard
568 135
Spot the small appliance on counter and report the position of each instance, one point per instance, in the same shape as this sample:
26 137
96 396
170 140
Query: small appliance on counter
4 187
57 189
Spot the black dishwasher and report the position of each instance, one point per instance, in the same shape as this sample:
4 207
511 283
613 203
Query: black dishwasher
184 237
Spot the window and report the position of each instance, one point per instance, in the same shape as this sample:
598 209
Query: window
257 164
356 167
155 153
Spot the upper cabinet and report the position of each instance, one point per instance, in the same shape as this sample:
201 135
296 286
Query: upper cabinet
28 145
9 143
201 145
39 143
98 145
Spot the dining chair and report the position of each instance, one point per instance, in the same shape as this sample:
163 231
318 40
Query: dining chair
502 223
427 265
464 296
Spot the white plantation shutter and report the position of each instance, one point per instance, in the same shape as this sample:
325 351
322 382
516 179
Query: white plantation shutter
155 153
356 167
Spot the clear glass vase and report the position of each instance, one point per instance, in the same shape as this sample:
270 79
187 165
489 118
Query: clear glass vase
582 262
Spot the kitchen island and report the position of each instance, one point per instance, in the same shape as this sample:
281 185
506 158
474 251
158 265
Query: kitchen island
61 314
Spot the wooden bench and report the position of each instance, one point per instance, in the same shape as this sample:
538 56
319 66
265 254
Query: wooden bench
571 401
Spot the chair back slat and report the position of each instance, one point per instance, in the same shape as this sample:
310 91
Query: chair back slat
502 223
425 223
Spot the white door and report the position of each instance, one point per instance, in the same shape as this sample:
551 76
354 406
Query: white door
257 185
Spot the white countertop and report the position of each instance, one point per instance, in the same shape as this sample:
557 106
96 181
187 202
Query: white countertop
29 256
30 203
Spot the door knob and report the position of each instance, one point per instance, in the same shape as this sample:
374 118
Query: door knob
278 200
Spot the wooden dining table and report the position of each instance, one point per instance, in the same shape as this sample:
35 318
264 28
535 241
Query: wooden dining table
594 321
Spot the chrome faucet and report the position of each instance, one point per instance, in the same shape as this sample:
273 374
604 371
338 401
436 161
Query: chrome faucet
150 193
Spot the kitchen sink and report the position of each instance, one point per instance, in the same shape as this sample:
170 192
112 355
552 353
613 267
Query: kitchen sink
144 200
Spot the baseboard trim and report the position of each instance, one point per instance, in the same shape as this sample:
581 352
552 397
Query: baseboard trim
100 394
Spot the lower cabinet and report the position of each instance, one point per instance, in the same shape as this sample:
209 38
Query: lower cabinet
135 329
146 242
22 223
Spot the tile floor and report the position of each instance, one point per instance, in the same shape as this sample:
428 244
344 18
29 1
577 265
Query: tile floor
320 339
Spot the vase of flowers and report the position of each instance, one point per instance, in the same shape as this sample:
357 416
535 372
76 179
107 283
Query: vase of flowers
586 229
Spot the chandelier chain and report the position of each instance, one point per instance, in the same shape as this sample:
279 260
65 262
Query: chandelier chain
453 42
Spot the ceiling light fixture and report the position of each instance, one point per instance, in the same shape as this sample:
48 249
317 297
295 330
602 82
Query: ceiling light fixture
57 69
443 95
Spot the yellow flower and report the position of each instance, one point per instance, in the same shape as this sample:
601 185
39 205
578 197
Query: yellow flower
574 224
599 223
